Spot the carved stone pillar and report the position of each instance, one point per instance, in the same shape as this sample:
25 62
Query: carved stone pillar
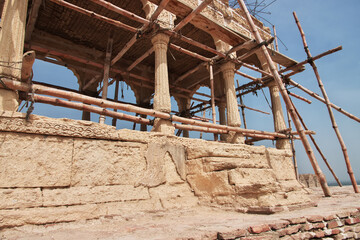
162 93
233 115
12 36
278 115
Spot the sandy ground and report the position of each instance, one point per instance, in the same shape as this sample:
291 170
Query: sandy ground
198 223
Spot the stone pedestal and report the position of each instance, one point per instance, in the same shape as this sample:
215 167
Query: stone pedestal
162 93
233 116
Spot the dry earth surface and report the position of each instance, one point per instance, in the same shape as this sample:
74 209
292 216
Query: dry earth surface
196 223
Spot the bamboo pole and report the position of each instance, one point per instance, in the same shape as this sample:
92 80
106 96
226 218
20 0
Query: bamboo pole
106 73
312 59
121 11
194 43
286 98
317 147
116 98
140 59
252 109
190 53
15 85
247 44
255 49
299 97
293 145
242 108
247 76
188 73
95 15
213 111
193 14
316 96
89 108
332 118
159 9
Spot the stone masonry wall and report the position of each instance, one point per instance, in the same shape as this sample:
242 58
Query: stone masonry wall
60 170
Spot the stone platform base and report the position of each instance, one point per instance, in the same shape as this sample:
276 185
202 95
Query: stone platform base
61 170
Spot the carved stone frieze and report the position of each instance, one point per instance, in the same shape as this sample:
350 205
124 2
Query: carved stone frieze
15 122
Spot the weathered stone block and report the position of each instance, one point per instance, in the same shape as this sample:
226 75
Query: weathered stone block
194 166
20 198
41 161
210 184
18 217
281 162
130 208
164 163
99 194
206 149
99 162
212 164
250 180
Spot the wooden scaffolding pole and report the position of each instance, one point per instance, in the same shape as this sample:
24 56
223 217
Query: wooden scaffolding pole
317 146
332 118
286 98
213 111
116 98
242 107
106 73
316 96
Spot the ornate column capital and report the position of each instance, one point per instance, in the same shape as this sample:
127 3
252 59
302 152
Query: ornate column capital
228 67
160 41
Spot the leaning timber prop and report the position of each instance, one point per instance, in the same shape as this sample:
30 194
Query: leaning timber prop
327 101
286 98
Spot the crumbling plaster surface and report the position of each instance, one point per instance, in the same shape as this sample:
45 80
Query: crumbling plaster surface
60 170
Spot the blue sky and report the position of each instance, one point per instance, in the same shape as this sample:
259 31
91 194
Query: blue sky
327 24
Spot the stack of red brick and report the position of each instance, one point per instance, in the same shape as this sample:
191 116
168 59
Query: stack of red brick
345 225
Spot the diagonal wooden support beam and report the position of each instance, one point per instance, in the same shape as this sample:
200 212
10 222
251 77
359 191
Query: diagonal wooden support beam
159 9
188 73
246 45
255 49
140 59
190 53
30 26
94 15
193 14
287 100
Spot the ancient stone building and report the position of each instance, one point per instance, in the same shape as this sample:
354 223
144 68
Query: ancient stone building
59 170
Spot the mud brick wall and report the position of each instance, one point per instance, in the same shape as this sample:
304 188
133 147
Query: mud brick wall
344 225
